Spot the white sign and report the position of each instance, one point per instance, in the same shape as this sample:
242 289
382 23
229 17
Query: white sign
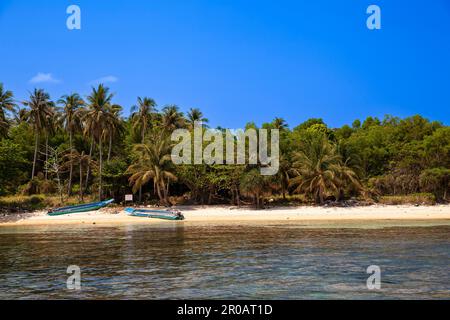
128 197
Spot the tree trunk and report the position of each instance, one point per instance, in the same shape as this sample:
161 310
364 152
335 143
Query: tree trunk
210 197
69 189
60 188
140 188
36 144
100 170
81 178
161 198
238 200
164 192
110 147
168 185
89 167
46 156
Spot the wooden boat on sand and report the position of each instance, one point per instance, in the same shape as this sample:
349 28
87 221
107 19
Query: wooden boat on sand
156 214
80 208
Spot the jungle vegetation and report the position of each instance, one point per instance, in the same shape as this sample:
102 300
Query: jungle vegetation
75 146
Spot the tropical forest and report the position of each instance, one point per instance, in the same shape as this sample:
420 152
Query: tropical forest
74 149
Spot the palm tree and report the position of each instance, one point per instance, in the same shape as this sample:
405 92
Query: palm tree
71 119
96 120
279 123
83 161
318 169
172 118
52 125
114 126
153 162
6 104
38 115
140 119
195 115
282 177
142 114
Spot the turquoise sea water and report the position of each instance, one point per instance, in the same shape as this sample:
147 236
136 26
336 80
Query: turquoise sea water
181 261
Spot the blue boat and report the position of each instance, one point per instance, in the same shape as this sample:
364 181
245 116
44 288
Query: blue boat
156 214
80 208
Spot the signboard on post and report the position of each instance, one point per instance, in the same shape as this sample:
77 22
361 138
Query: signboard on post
129 198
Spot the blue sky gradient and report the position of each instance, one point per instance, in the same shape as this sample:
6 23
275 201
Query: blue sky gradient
238 61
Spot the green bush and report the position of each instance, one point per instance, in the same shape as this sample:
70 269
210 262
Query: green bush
22 203
417 198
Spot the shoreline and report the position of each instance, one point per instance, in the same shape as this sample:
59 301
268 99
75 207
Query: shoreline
197 215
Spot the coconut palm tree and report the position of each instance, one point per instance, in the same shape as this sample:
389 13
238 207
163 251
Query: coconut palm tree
140 120
72 122
96 120
172 118
282 177
6 104
153 162
52 125
38 116
83 161
195 115
279 123
114 126
319 170
142 114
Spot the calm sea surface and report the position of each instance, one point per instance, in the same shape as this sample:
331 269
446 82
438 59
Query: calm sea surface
179 261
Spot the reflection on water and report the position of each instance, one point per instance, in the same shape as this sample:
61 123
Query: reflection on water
173 261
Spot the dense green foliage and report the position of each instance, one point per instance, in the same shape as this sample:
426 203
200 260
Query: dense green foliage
86 147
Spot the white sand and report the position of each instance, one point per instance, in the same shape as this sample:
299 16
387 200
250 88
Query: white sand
227 214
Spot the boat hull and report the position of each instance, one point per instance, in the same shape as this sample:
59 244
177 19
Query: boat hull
154 214
80 208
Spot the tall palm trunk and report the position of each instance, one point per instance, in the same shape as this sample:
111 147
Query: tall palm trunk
36 144
110 147
142 141
100 170
81 177
88 171
165 192
257 201
60 188
46 156
69 191
158 190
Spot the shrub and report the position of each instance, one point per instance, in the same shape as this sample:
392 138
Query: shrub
22 203
417 198
437 181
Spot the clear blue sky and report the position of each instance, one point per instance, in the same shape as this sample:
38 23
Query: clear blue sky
238 60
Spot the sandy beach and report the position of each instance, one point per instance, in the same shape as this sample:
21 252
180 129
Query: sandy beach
226 214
